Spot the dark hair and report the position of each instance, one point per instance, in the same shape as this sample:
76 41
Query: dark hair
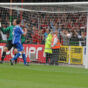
18 21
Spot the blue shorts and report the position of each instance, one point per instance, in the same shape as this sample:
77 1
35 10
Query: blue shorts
19 46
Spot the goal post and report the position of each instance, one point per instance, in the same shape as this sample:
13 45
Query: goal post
86 57
70 18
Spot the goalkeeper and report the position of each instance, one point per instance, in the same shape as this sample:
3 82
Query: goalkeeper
9 44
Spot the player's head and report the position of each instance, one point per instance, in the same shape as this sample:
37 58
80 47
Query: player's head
18 22
14 22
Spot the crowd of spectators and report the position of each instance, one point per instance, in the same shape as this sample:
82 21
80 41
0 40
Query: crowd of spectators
71 26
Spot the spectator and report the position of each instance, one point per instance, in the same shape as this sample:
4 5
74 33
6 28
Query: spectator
3 36
39 37
29 35
34 35
46 34
74 39
83 39
65 35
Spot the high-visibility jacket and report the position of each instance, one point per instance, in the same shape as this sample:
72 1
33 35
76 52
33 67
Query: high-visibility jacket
55 42
48 41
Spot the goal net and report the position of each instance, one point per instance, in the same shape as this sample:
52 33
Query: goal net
70 19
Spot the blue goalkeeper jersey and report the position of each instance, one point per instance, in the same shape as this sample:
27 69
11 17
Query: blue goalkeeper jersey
17 32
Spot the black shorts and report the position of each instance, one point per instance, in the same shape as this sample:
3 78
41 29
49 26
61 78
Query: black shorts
9 44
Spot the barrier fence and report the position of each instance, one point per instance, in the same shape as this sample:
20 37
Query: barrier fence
67 54
64 54
76 55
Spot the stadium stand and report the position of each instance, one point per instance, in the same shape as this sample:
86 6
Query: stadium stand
71 26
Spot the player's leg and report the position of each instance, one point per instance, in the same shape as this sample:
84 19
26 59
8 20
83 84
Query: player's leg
15 52
3 54
20 51
24 58
21 48
17 56
14 58
5 49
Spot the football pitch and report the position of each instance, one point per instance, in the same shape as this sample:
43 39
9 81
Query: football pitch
42 76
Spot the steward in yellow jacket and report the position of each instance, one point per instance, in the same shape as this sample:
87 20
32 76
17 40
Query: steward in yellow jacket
48 49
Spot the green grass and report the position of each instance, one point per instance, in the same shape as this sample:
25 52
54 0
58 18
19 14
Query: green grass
42 76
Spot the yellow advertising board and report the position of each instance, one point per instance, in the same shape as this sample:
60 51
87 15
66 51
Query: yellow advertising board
64 54
74 53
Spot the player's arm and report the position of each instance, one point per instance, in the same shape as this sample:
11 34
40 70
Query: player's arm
5 30
25 32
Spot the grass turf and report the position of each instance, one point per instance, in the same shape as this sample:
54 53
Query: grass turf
42 76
